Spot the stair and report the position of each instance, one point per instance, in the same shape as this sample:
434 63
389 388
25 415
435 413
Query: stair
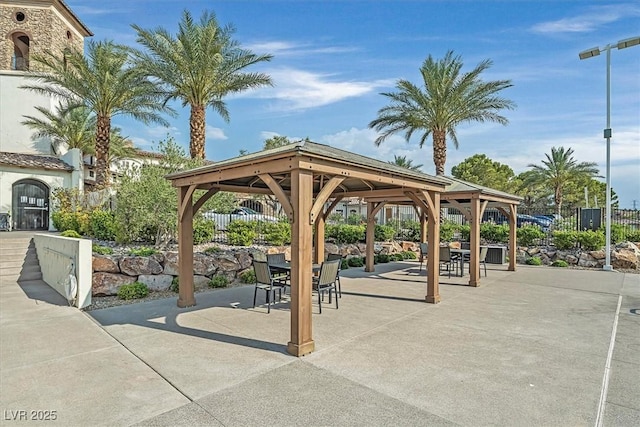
19 259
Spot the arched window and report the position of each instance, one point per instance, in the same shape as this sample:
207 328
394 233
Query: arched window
30 205
20 60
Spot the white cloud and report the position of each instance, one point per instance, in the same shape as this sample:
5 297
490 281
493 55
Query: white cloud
266 134
301 90
286 48
162 131
214 133
590 21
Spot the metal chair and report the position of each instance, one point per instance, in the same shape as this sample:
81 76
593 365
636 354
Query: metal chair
326 281
424 247
446 260
332 257
266 282
482 259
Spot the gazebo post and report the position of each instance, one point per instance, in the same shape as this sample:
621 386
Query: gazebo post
186 297
423 225
433 254
513 214
301 236
318 239
370 237
474 261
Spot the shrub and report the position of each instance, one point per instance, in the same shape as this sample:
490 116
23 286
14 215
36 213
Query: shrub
559 263
102 225
494 233
101 250
409 230
71 233
133 291
142 251
76 221
534 261
409 255
345 233
212 250
203 231
447 230
633 236
335 217
218 282
277 233
465 232
345 264
248 276
356 219
591 240
355 262
528 234
618 233
396 257
382 258
175 284
565 239
241 233
384 233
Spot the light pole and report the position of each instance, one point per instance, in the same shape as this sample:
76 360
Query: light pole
622 44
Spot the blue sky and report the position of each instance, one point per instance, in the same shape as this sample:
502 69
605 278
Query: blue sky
332 59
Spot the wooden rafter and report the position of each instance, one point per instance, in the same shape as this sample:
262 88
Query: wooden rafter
201 201
186 200
279 193
323 196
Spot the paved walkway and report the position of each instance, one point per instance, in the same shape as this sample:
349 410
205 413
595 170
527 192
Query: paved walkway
526 348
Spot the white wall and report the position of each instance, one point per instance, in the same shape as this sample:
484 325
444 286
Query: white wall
56 254
14 104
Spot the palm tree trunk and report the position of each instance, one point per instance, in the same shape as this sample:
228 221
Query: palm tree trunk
103 130
439 150
558 199
197 129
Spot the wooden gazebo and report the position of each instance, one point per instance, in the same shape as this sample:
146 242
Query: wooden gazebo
306 177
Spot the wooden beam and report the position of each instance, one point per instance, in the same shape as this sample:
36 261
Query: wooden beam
279 166
513 237
187 199
433 254
428 197
474 261
280 195
186 297
201 201
323 196
318 239
301 237
417 201
463 209
333 204
370 237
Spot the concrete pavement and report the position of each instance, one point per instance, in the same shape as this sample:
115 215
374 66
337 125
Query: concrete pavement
526 348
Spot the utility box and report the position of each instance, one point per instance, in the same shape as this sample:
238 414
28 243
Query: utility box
496 255
590 219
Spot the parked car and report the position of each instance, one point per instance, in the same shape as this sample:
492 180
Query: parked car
544 223
238 214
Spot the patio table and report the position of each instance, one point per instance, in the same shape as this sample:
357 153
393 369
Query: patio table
461 254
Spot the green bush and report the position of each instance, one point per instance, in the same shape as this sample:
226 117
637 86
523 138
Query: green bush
101 250
355 262
447 230
71 233
633 236
559 263
356 219
76 221
277 233
591 240
133 291
203 231
618 233
409 255
534 261
465 232
142 251
382 258
175 284
248 276
494 233
384 233
565 239
212 250
241 233
345 233
345 264
218 282
409 230
528 234
102 225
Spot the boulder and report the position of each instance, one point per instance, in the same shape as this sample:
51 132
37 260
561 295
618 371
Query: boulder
202 264
331 248
171 263
586 260
225 263
598 254
105 284
244 259
200 282
625 259
137 265
156 282
571 259
105 264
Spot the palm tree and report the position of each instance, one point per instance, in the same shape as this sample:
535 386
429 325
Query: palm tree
404 163
105 83
200 66
559 170
447 99
65 127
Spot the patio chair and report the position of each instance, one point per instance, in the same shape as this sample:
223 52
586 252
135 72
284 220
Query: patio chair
274 259
332 257
482 259
423 253
326 281
266 282
446 260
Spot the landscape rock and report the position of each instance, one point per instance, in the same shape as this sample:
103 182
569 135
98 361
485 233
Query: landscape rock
244 259
625 259
105 264
225 263
586 260
105 284
137 265
202 264
156 282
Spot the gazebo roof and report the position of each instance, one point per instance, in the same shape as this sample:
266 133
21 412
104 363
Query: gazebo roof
461 190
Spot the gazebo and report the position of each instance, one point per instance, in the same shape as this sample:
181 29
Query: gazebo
309 180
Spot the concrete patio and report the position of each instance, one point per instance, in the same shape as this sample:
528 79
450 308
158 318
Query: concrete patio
526 348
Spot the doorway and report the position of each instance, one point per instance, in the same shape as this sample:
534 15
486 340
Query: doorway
30 205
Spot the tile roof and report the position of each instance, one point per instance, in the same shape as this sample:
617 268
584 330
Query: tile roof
33 161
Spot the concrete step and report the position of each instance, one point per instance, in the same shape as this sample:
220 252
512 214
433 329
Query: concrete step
33 275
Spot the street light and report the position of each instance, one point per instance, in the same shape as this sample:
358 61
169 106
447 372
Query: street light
586 54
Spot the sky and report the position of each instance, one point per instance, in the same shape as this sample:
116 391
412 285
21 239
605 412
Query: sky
333 59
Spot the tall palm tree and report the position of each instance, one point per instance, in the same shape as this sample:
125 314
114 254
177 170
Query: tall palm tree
65 127
559 170
200 66
403 162
106 84
448 98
